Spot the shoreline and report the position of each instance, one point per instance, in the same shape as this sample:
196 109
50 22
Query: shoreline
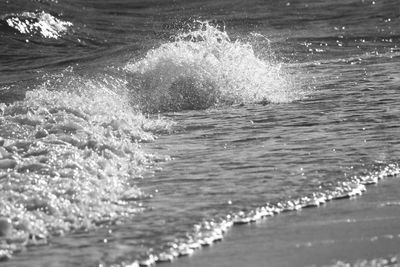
361 231
358 231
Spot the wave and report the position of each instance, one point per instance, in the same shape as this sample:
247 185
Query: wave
204 68
70 157
36 23
207 232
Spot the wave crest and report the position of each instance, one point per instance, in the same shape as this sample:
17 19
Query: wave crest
37 23
204 68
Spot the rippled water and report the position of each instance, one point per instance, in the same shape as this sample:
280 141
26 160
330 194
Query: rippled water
134 131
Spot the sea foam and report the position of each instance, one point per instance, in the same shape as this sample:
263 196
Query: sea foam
37 23
204 68
70 156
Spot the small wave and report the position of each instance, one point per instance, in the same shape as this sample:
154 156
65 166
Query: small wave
390 260
206 233
37 23
203 68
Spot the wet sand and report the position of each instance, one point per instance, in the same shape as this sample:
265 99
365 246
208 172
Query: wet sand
362 231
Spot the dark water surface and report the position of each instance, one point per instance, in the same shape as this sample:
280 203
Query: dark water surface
141 130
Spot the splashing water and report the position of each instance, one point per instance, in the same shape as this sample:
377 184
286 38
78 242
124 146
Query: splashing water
204 68
42 23
69 160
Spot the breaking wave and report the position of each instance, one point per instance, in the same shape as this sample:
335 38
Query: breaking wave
36 23
69 160
204 68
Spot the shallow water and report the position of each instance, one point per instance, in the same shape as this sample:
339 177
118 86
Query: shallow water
267 107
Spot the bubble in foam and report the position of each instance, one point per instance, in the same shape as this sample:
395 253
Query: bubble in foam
203 68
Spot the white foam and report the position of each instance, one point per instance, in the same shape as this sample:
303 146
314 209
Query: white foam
204 68
38 23
74 153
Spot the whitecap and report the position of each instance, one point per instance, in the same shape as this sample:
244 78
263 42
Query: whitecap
37 23
204 68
